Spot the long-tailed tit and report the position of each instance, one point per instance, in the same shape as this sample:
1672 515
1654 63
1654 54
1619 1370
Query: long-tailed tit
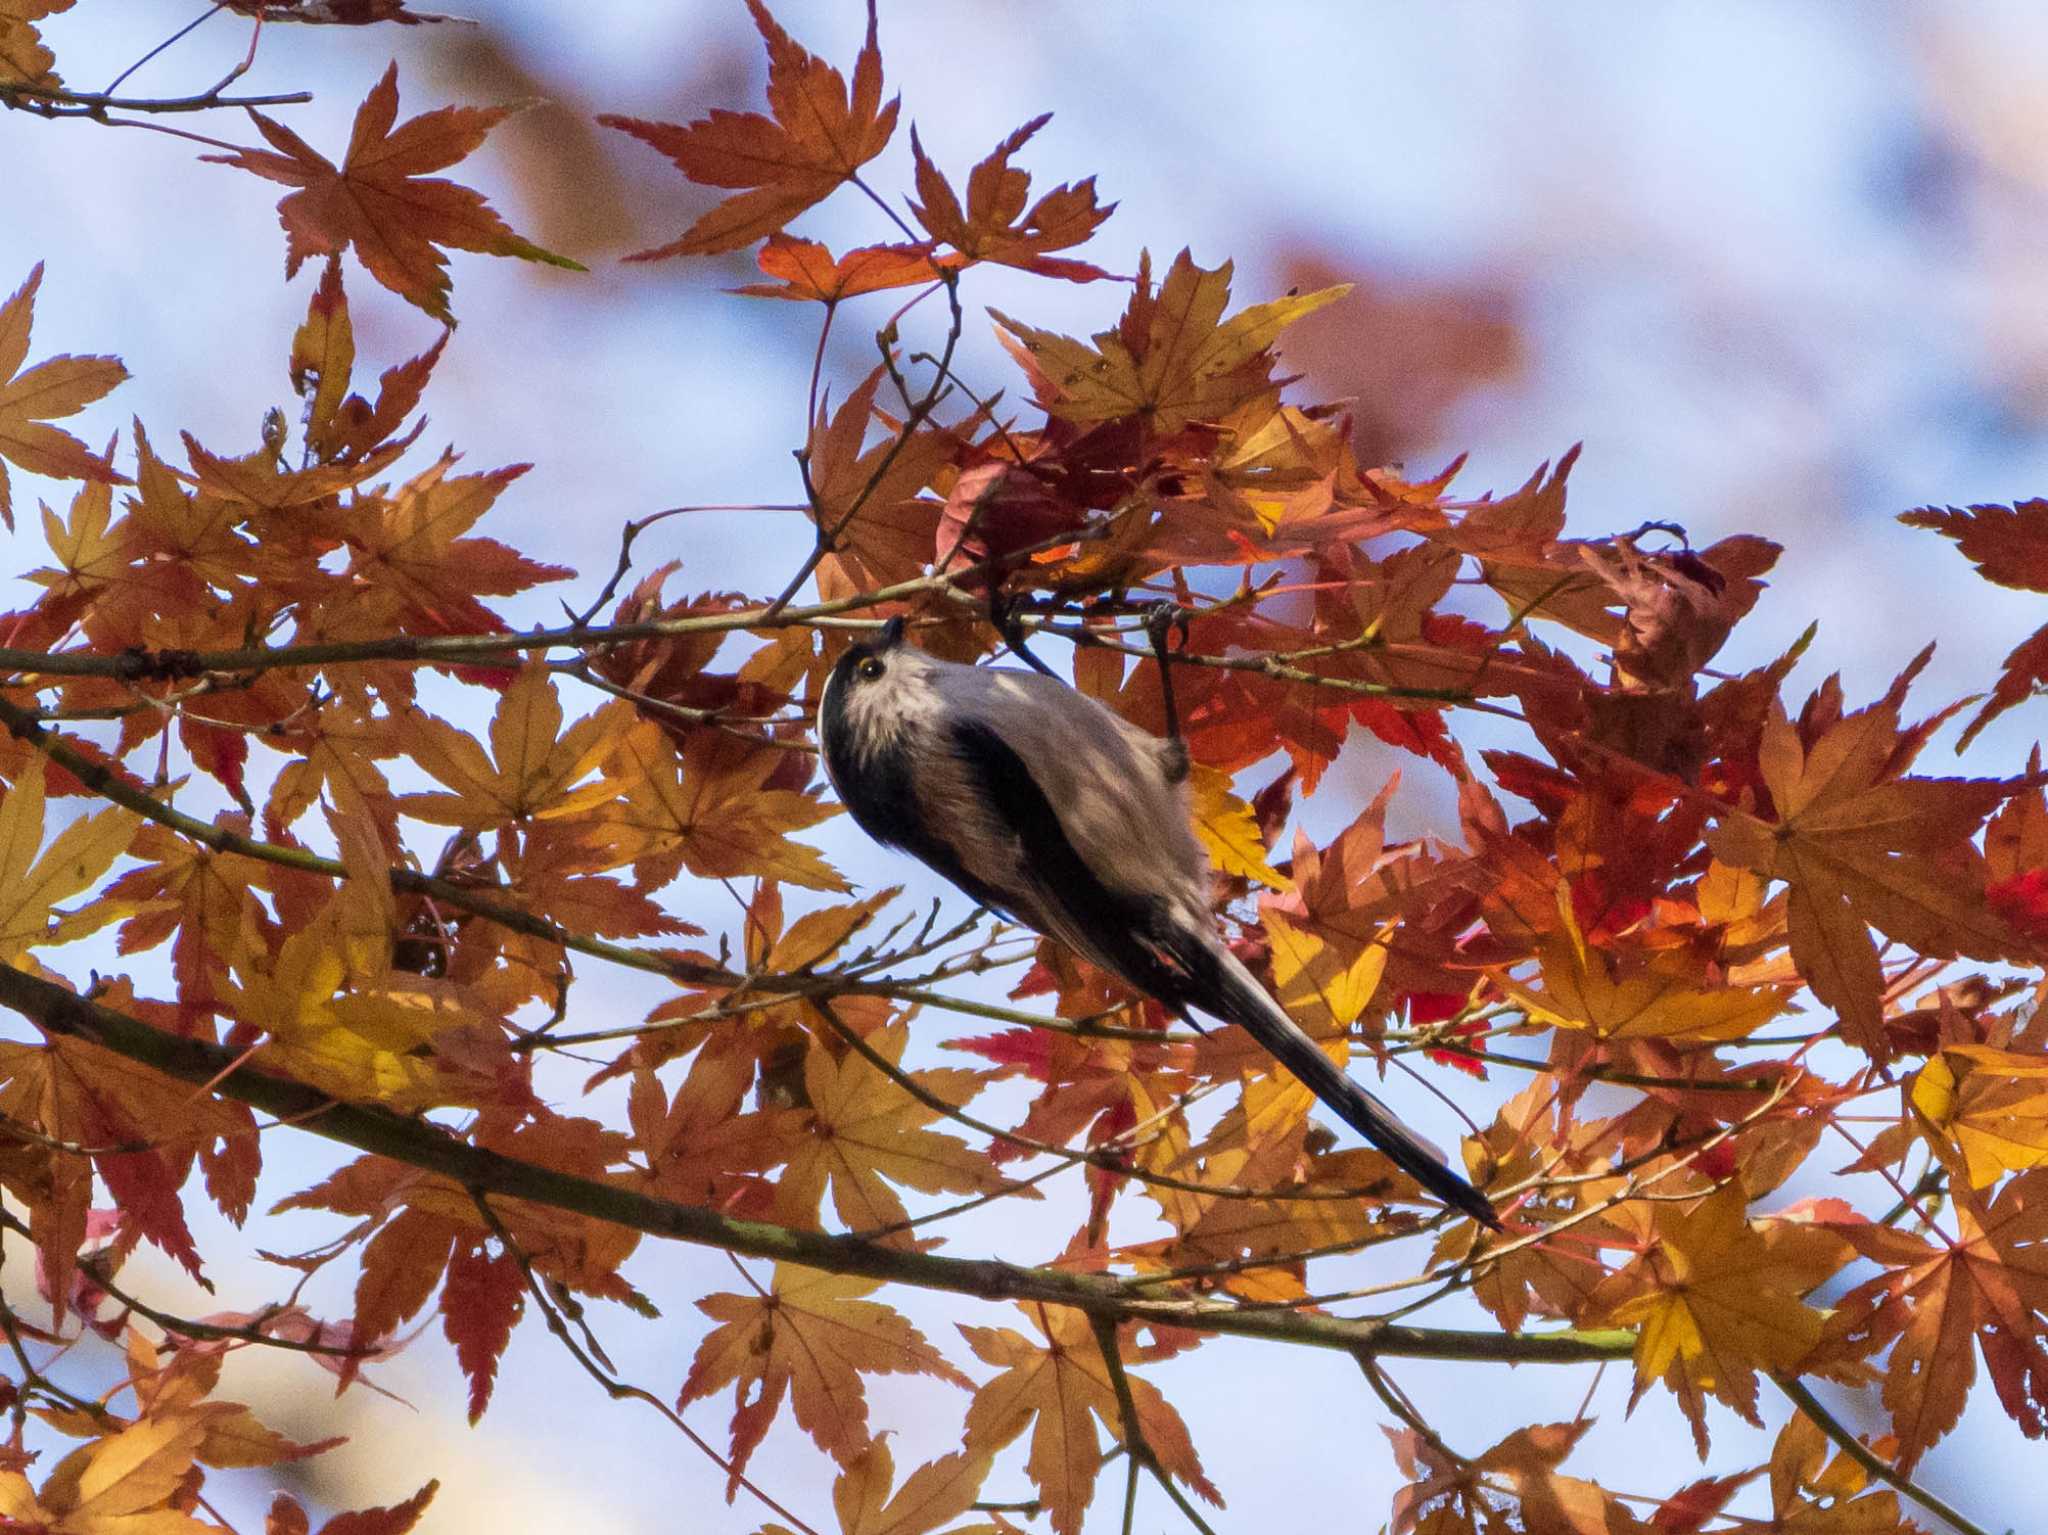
1039 802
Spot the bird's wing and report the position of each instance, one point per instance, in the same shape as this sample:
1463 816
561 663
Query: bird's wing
1153 944
1042 878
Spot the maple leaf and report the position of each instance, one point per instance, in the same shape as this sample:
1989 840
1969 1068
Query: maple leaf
882 530
1058 1389
933 1494
865 1132
994 225
535 770
381 201
1714 1302
807 270
710 813
23 58
31 886
1228 829
817 139
813 1336
368 1035
396 1519
414 558
1618 995
481 1302
54 387
1992 1103
2008 545
123 1482
401 1265
343 427
1988 1284
1172 359
1862 846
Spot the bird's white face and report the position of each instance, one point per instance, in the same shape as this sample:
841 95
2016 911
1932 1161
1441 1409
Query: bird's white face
879 695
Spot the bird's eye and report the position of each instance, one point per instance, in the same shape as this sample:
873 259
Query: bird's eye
871 668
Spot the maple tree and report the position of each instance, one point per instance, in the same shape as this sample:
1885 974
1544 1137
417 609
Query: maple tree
351 919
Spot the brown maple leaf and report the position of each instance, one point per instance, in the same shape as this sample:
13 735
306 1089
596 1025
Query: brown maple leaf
817 139
23 58
380 199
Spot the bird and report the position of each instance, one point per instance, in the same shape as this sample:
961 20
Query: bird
1047 807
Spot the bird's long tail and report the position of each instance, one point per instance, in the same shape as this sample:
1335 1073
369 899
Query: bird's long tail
1241 1000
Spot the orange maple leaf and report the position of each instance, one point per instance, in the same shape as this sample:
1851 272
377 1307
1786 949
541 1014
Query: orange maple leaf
1987 1284
379 201
1863 846
864 1132
809 271
882 530
535 769
56 386
936 1493
813 1336
994 225
817 140
1056 1389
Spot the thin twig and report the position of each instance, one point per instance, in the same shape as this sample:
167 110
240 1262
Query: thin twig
1135 1444
589 1356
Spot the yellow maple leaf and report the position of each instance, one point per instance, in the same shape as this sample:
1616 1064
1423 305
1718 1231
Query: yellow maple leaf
1228 828
1173 359
57 386
30 886
1319 981
370 1043
1624 997
1992 1103
1714 1302
118 1485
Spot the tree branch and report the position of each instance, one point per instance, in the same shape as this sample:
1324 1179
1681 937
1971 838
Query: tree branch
1858 1451
422 1144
